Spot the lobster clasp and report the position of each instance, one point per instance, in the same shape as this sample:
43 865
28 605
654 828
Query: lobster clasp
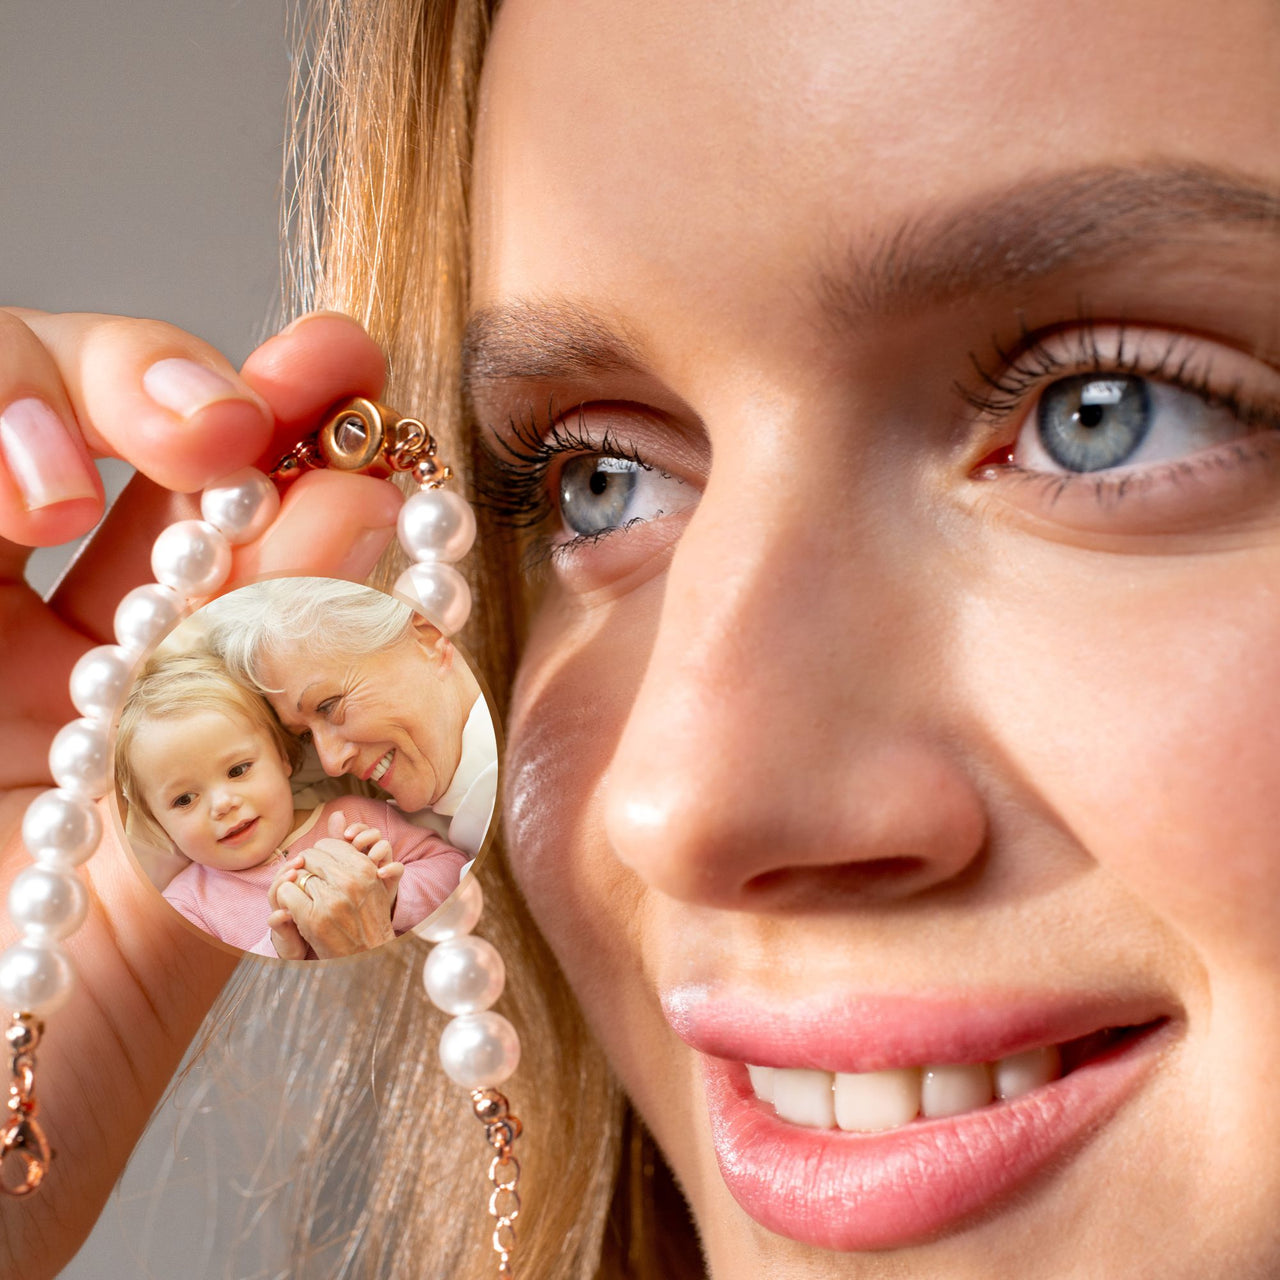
22 1142
364 436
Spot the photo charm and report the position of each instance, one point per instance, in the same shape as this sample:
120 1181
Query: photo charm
305 768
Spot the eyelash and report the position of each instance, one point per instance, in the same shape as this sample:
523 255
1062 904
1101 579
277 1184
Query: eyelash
512 476
1010 377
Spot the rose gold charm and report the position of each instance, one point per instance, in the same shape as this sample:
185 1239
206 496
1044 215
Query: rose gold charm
367 437
22 1141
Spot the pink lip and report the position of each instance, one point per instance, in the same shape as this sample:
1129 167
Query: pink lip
367 776
854 1191
236 833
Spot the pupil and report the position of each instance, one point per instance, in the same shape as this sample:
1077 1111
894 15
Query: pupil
599 482
1090 415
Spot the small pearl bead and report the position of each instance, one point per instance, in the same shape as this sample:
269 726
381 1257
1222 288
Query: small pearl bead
455 916
79 759
242 506
35 978
436 524
145 614
60 829
48 903
464 975
442 592
479 1050
192 557
99 681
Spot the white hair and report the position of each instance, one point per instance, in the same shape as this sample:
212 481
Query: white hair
295 618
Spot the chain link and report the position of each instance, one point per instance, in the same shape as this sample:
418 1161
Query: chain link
501 1129
22 1141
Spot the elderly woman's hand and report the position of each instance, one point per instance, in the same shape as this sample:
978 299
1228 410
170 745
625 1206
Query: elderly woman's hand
72 388
344 904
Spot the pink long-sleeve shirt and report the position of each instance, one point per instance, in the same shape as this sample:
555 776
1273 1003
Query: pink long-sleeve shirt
233 906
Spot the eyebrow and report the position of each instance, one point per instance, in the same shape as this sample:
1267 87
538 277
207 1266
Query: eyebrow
995 241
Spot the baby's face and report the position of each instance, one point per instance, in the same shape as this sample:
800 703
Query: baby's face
217 785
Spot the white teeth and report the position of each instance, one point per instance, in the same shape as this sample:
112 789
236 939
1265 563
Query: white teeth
872 1101
954 1089
1026 1071
804 1097
762 1082
381 767
876 1101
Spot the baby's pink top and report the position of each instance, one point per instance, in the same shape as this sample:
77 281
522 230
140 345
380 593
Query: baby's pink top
233 906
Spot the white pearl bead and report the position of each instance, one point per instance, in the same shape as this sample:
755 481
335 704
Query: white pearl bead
456 915
99 681
479 1050
436 524
242 506
145 614
35 978
79 759
192 557
442 592
60 829
48 903
464 975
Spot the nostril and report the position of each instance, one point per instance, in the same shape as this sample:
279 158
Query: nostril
840 882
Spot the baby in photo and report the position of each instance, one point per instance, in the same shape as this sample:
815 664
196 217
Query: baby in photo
203 764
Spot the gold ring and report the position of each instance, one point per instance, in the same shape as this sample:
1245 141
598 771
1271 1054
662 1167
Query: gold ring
303 877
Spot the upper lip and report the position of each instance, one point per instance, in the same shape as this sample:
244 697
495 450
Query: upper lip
873 1032
239 826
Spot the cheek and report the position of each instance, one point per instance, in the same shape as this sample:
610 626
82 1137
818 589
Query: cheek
1145 709
576 684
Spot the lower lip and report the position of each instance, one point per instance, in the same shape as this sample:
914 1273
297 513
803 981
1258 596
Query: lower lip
854 1191
243 834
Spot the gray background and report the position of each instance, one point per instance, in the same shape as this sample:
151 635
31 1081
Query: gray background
140 160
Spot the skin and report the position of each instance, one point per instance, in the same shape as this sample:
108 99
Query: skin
411 698
855 712
204 776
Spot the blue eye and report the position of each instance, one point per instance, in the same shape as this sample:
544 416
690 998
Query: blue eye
1091 423
239 770
599 493
182 801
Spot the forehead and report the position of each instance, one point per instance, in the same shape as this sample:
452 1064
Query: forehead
634 152
193 740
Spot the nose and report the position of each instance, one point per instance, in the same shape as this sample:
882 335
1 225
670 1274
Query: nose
223 800
335 752
790 744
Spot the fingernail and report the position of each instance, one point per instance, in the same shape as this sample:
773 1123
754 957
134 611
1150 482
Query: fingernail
297 324
186 387
42 457
364 553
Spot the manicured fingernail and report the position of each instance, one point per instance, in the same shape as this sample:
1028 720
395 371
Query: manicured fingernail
368 546
41 456
187 387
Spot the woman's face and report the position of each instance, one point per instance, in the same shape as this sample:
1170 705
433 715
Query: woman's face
901 388
393 717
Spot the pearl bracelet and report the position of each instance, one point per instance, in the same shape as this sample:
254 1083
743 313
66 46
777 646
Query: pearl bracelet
464 975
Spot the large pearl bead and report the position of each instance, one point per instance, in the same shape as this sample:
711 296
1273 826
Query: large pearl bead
479 1050
464 975
456 915
192 557
48 903
436 524
79 759
35 978
242 506
99 681
145 614
442 592
61 830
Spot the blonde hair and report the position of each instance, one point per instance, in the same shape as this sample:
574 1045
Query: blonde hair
174 685
379 164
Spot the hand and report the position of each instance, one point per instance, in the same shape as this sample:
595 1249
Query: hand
288 942
71 388
346 906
